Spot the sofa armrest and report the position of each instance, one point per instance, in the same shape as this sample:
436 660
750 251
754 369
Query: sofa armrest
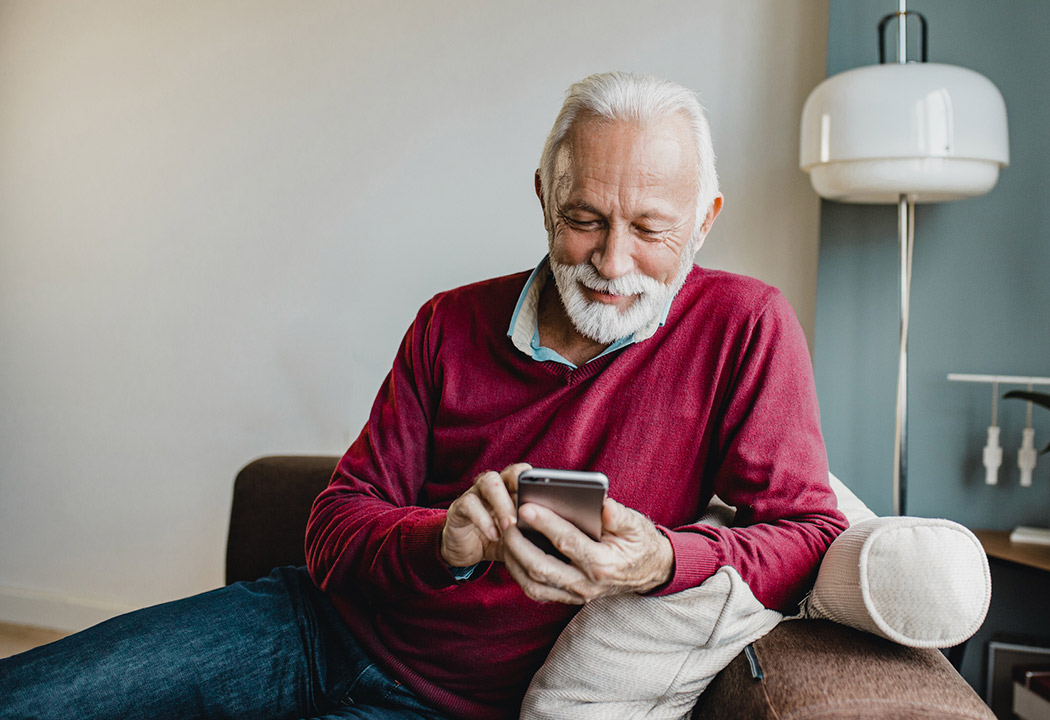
272 497
820 669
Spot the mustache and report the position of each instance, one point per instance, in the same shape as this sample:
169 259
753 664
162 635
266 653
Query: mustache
632 284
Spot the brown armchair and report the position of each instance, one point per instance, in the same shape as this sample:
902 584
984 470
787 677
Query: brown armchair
810 668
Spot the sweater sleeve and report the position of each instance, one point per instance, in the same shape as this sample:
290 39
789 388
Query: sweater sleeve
366 529
769 462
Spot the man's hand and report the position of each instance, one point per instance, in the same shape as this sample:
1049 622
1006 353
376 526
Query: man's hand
477 519
632 556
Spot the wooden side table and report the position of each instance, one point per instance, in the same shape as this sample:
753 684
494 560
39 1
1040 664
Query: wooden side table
1001 551
997 545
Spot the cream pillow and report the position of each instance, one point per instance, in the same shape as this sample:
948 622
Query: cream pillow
630 656
917 581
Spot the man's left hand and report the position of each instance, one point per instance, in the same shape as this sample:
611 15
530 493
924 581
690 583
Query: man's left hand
632 556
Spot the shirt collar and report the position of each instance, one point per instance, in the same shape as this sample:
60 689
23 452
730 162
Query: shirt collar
524 330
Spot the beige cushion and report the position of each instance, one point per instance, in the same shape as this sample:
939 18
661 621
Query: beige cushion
629 656
917 581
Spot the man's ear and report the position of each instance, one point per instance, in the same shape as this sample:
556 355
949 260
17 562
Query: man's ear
712 213
543 205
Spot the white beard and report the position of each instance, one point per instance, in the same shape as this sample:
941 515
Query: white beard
605 323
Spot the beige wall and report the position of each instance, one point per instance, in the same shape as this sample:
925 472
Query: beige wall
218 218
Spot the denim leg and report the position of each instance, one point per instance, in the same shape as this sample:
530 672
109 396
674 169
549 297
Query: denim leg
376 696
245 651
354 686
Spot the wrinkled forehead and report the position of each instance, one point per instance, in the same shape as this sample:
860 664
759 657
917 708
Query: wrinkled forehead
660 151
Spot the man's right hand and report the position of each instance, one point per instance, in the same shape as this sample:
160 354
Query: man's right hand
476 520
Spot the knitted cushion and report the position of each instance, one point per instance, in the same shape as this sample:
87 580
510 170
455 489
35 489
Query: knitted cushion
630 656
917 581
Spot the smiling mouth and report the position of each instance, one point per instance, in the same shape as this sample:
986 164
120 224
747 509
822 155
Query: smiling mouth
606 298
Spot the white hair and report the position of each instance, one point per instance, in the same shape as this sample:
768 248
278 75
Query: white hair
635 98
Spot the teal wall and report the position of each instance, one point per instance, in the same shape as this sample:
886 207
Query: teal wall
980 287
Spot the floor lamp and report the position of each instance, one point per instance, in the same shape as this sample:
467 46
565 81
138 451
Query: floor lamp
902 133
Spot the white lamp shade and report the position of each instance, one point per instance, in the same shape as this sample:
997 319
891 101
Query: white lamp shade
929 131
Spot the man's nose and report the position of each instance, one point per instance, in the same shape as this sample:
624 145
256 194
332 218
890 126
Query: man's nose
612 258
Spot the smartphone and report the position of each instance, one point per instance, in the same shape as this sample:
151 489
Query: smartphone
574 495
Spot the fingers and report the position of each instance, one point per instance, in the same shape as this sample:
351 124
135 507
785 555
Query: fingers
470 511
542 577
618 519
633 555
545 578
510 476
475 521
491 502
566 537
467 531
499 491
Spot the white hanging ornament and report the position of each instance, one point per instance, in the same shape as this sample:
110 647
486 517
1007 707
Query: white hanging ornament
1026 455
993 451
993 457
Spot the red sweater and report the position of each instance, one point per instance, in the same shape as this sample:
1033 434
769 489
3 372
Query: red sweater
719 401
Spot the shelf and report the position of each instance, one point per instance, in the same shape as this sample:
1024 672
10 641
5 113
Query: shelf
997 545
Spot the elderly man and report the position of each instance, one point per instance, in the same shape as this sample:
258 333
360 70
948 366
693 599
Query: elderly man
615 354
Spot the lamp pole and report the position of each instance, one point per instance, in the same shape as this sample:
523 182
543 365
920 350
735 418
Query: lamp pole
904 236
900 447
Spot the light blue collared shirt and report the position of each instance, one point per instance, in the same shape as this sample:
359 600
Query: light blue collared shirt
524 330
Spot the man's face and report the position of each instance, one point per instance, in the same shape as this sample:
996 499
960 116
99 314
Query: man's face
622 222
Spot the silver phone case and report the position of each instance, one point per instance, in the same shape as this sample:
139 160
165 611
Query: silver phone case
574 495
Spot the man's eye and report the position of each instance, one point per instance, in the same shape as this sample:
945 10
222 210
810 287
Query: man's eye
581 223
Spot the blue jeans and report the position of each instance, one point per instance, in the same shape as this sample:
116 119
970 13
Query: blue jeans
274 648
